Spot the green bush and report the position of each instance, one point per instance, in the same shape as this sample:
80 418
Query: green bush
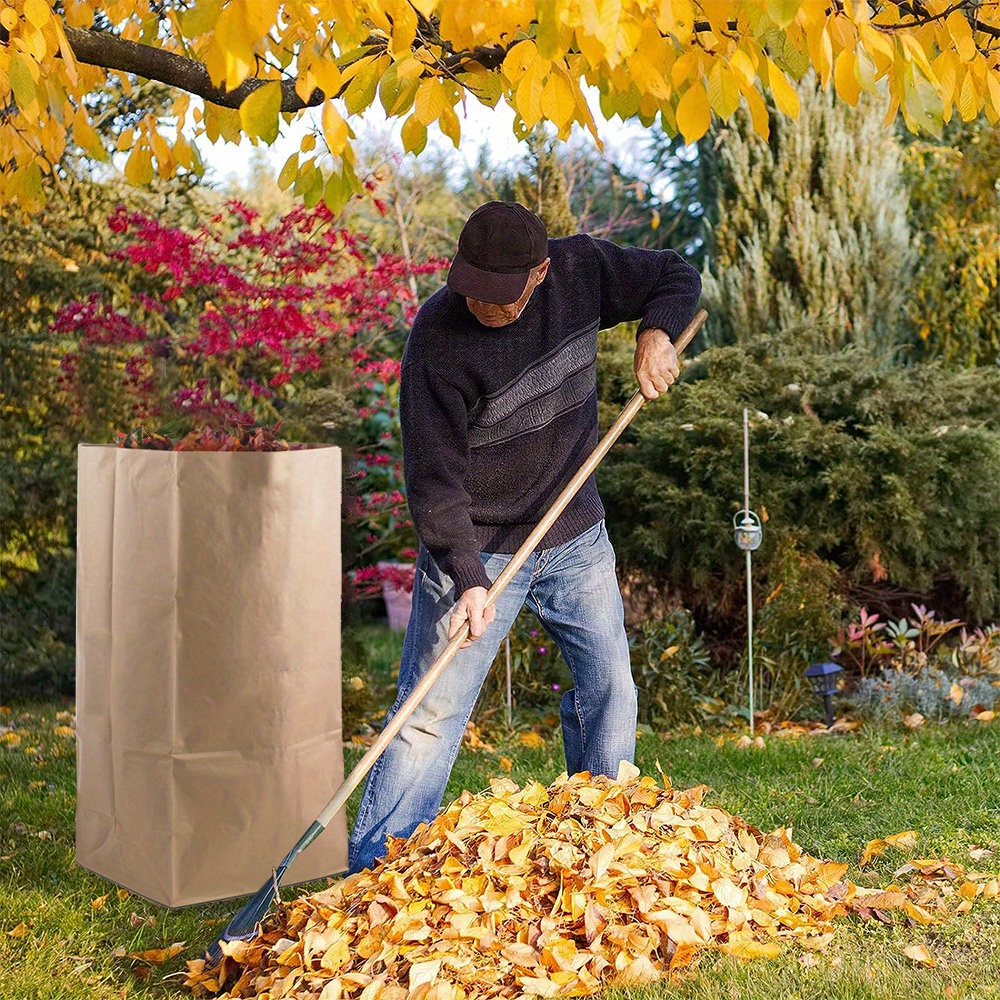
792 629
887 473
538 674
673 671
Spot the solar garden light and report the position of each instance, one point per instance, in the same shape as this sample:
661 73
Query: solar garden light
747 530
824 678
747 535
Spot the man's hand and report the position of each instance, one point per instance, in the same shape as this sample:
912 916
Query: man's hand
471 608
656 365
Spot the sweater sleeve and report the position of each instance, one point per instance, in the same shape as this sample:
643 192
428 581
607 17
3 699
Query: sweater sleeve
656 287
435 459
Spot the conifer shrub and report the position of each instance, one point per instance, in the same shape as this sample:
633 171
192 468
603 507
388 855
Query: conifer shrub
865 475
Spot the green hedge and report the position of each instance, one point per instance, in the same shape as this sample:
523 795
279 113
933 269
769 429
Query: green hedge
889 474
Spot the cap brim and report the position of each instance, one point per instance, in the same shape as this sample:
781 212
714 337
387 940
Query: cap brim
486 286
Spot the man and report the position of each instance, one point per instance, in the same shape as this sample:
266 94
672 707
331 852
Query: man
498 406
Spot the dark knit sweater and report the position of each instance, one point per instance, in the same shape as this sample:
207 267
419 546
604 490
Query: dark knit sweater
497 420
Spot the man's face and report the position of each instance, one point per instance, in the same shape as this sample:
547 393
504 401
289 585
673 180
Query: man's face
493 315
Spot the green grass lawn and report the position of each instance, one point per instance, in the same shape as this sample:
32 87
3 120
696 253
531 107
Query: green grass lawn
68 934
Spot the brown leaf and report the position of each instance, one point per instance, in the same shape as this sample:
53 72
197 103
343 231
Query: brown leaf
159 955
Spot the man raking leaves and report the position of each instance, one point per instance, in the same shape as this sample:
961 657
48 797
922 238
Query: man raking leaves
499 419
498 406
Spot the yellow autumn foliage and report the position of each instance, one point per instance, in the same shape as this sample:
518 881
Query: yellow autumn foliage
683 61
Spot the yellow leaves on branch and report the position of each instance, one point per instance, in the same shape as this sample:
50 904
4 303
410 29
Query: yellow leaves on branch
560 891
681 61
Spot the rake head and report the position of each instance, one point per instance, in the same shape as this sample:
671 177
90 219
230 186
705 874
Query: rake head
244 925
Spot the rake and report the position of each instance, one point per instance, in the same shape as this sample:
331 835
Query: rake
244 925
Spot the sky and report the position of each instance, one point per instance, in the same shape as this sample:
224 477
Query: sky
481 125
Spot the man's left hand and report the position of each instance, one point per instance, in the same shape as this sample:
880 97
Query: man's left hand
656 364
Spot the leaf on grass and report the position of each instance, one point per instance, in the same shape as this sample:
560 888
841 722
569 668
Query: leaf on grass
918 953
904 841
157 956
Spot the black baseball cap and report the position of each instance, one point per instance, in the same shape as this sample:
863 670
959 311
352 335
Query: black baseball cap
499 245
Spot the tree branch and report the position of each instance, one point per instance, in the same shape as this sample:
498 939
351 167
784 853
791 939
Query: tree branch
101 48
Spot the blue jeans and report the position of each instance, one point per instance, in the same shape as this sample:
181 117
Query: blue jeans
573 590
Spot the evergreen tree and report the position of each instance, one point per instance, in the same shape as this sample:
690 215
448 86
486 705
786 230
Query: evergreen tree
807 232
542 186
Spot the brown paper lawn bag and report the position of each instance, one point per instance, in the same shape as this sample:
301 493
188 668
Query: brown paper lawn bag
208 668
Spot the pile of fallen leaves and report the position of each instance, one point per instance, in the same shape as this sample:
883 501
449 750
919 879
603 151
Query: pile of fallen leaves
558 891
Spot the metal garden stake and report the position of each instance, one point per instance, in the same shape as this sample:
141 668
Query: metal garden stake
747 532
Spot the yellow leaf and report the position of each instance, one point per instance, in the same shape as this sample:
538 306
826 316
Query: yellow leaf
327 76
518 59
22 80
872 849
918 953
783 12
820 50
785 97
528 97
424 972
259 112
397 92
535 986
915 52
404 26
335 129
599 32
845 77
430 100
37 12
98 904
414 135
451 127
968 99
914 720
758 112
88 140
532 740
752 949
19 931
743 66
234 47
694 114
139 166
878 45
723 91
728 893
558 102
961 34
904 841
158 956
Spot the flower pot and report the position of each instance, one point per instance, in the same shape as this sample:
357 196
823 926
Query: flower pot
397 592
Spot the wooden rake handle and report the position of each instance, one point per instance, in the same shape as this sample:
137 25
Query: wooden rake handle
570 490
